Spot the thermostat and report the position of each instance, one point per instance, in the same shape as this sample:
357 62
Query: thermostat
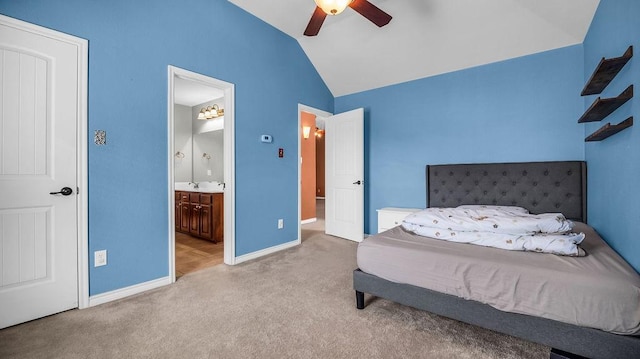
266 138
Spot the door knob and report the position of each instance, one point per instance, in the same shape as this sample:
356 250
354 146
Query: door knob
358 182
65 191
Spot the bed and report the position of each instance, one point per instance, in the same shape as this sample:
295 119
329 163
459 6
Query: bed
540 187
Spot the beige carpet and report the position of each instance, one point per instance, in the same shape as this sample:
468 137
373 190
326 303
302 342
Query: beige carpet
293 304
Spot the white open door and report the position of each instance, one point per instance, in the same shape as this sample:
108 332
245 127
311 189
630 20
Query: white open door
344 175
39 90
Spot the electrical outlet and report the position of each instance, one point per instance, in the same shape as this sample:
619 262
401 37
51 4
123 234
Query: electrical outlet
280 223
100 258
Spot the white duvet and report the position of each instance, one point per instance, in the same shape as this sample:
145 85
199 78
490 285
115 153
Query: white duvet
510 228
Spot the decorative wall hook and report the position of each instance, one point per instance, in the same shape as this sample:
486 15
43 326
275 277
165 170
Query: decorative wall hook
179 155
205 155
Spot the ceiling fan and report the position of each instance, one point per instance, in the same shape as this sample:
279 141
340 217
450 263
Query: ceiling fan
334 7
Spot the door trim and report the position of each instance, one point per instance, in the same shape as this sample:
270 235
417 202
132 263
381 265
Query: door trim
82 143
229 162
318 113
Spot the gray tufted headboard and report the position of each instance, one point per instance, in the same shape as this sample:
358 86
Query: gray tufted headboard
540 187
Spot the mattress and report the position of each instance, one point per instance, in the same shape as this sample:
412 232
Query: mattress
597 291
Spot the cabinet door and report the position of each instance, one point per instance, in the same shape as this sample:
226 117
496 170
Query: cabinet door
206 222
185 217
184 212
218 217
177 211
194 222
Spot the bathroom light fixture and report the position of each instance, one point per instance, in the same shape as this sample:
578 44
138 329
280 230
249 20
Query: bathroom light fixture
210 112
333 7
305 131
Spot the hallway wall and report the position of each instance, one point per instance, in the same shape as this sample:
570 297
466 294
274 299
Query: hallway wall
308 152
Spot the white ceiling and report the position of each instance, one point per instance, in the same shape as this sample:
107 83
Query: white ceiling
425 37
191 93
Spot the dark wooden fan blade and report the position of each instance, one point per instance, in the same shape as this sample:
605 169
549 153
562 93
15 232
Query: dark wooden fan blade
313 28
371 12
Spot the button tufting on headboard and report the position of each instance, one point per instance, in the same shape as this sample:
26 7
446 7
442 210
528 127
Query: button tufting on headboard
538 186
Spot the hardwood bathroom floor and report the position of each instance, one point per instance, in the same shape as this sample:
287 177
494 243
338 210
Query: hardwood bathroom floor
194 254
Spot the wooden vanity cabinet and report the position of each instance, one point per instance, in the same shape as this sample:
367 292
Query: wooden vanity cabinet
200 215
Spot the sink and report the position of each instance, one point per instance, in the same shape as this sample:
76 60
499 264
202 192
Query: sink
183 186
208 187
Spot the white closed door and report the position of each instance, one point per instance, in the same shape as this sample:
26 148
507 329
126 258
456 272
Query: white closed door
344 175
38 149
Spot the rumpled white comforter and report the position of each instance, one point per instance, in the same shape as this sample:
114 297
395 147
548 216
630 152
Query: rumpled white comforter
498 227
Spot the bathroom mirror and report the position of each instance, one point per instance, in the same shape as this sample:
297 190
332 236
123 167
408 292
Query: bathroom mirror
198 143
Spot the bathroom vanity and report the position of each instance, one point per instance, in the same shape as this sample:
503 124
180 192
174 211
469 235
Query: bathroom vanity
200 214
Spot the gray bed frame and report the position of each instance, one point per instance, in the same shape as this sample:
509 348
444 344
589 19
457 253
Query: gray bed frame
539 187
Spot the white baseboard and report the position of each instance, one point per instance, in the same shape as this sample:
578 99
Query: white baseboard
128 291
310 220
266 251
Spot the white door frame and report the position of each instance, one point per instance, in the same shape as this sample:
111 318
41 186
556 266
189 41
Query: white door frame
229 162
318 113
82 205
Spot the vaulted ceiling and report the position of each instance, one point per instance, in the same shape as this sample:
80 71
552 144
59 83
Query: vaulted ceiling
425 37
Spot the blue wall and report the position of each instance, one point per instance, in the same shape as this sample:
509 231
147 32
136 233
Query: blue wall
525 109
614 164
131 43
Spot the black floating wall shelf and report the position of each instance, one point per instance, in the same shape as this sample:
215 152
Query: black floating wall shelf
605 72
608 130
602 108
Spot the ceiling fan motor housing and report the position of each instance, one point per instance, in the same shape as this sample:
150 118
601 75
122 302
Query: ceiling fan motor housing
333 7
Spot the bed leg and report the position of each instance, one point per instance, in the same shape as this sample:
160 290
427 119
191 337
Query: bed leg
559 354
359 300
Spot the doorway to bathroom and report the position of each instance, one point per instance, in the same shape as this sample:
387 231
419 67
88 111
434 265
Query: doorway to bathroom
201 178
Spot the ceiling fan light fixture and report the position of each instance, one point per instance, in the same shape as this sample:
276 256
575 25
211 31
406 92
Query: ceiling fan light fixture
333 7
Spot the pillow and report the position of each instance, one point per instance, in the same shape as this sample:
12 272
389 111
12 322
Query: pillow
510 209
